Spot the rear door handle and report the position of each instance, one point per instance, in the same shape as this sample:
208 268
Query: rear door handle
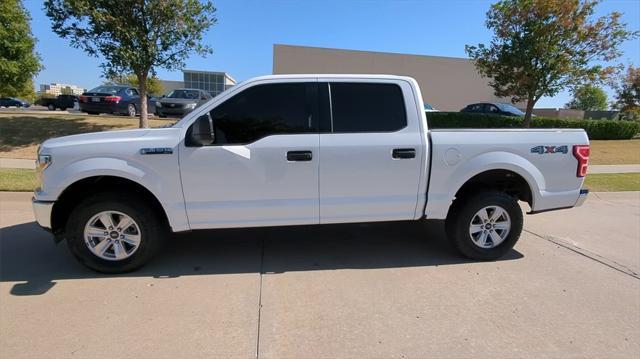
299 156
401 153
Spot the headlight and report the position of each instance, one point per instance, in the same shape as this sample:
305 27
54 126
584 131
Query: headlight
190 106
43 162
158 104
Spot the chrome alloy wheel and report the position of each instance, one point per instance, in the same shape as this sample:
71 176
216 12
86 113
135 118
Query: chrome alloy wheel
112 235
489 227
131 110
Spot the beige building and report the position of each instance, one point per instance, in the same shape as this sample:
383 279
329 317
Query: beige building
56 89
447 83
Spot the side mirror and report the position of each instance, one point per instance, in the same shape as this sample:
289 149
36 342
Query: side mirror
201 132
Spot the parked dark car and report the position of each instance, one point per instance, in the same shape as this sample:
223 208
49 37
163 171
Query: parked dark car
62 102
495 108
114 99
13 102
180 102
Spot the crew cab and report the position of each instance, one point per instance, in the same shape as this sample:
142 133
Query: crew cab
299 150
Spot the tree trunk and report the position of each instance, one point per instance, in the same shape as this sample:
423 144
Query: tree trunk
527 115
142 84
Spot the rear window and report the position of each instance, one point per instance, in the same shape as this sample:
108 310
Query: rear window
107 89
367 107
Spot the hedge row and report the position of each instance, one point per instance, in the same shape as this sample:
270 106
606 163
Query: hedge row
596 129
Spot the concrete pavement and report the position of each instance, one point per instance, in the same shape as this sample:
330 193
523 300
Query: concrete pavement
376 290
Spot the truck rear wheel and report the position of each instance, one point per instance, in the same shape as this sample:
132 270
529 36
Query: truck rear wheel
111 233
485 226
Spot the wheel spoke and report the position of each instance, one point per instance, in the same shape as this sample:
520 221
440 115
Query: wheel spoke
95 232
475 228
495 238
125 222
482 240
132 239
119 251
497 213
102 247
484 216
501 225
106 220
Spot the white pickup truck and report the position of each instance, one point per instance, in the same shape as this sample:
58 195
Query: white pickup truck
300 150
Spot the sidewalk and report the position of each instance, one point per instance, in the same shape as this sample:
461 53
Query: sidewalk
17 163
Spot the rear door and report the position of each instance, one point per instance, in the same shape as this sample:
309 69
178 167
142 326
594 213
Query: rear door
371 152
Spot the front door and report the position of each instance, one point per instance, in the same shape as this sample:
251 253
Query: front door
262 169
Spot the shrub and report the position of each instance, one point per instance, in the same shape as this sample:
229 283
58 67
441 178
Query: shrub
596 129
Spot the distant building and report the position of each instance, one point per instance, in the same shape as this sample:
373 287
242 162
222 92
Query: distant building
57 89
211 81
446 83
214 82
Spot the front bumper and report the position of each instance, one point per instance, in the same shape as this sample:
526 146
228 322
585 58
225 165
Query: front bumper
42 211
583 197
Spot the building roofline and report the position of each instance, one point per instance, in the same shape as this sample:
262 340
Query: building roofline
372 52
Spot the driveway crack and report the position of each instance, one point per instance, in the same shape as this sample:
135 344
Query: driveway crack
588 254
260 296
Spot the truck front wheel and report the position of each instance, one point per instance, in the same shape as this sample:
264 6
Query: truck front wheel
485 226
110 233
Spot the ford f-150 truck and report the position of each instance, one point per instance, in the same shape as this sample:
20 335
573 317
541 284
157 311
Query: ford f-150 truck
301 150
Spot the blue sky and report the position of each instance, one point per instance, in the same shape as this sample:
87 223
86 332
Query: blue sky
246 31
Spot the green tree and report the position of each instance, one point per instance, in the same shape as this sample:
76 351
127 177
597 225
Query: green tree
588 98
540 47
628 93
134 36
154 85
19 63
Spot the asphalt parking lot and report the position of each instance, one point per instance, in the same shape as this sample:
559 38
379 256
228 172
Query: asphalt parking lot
570 288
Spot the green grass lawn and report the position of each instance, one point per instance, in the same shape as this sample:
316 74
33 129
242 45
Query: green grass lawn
24 180
18 180
23 133
612 182
618 152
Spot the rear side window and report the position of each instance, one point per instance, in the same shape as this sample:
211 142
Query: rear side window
264 110
367 107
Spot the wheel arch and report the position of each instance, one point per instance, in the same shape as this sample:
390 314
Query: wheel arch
80 189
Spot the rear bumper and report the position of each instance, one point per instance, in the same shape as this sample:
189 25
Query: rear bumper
584 193
42 211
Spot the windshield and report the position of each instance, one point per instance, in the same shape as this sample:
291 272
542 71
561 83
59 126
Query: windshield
189 94
510 108
107 89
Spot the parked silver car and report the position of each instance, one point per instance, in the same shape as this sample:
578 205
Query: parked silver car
180 102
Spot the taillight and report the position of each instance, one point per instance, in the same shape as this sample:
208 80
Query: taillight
83 98
113 99
581 153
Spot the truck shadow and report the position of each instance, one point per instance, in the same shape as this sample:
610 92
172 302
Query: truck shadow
29 256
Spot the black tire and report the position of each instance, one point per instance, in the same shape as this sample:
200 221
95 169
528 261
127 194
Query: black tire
63 108
462 213
51 107
152 232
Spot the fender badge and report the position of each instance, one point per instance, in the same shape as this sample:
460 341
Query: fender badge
156 151
541 150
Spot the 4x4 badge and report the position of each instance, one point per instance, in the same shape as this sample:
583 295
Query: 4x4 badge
550 149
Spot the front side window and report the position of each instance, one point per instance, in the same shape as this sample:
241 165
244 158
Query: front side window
367 107
264 110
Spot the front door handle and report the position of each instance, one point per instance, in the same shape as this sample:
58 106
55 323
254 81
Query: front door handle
299 156
401 153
